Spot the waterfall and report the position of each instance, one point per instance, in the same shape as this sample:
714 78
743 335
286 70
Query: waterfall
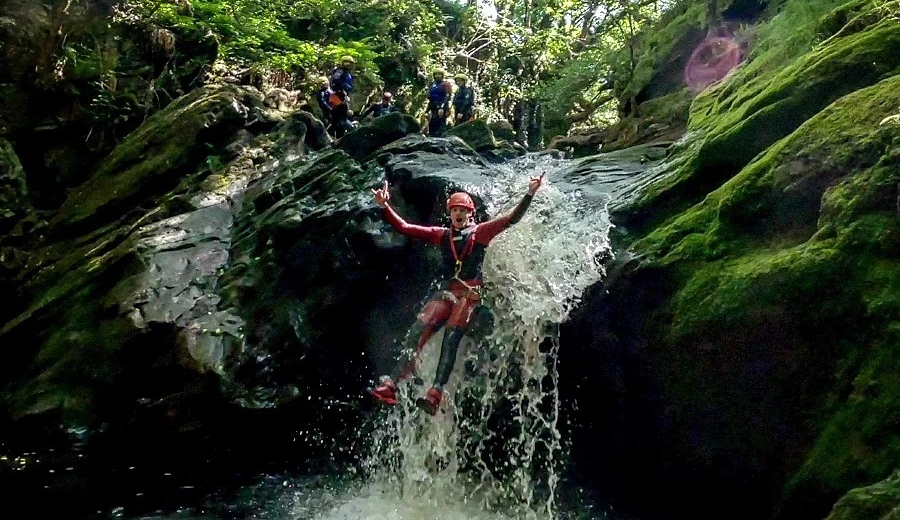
494 451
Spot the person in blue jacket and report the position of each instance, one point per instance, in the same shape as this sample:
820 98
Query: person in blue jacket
438 104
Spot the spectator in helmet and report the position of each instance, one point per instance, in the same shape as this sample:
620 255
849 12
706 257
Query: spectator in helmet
342 75
385 106
463 100
438 103
323 97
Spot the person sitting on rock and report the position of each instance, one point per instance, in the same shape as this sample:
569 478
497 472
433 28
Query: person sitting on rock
463 246
463 100
381 108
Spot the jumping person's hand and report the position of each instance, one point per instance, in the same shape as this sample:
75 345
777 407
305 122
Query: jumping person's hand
534 184
382 196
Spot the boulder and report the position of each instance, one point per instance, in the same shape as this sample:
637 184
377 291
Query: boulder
879 501
748 337
503 131
476 134
360 143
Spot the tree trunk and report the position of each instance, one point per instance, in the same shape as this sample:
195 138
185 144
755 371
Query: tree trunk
588 20
518 123
534 125
46 62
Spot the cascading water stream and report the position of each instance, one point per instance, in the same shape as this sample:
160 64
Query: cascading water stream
494 450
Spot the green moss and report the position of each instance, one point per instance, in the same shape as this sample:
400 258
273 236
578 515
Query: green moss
794 29
779 197
476 134
858 443
660 43
855 15
733 123
846 284
872 190
805 234
879 501
673 107
731 293
152 159
837 67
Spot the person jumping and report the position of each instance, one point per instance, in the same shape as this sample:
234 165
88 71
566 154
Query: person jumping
463 247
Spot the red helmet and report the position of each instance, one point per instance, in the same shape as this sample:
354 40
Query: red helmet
460 199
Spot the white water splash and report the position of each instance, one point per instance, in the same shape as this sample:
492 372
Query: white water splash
494 451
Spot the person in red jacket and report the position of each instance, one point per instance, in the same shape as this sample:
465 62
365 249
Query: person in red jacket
463 247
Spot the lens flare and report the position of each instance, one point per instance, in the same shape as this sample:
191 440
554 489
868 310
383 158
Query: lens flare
711 61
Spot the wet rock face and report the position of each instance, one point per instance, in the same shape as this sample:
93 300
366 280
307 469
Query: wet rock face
360 143
184 255
213 276
327 288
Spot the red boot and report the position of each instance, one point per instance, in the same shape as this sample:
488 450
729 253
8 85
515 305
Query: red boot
387 392
431 401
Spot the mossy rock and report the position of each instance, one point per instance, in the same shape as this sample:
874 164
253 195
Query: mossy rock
779 196
736 120
880 501
662 52
797 255
659 119
362 142
152 160
503 131
476 134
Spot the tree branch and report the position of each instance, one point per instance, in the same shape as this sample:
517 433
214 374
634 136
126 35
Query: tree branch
588 110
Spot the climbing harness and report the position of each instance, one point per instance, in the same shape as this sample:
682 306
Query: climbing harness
458 261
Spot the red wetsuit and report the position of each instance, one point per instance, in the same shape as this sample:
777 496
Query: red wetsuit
463 256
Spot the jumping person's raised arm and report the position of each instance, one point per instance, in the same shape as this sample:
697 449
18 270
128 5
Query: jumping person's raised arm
432 235
490 229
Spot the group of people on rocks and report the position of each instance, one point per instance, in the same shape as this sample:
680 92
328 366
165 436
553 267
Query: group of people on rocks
333 99
439 102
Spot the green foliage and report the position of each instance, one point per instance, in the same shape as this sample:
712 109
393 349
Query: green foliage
300 38
564 54
791 32
578 82
635 63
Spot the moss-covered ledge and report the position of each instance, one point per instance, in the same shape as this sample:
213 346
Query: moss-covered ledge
152 160
734 121
798 254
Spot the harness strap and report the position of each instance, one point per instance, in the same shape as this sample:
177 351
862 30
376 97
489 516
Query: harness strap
473 289
467 250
